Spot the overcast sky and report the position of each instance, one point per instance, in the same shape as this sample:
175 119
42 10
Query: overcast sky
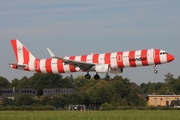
75 27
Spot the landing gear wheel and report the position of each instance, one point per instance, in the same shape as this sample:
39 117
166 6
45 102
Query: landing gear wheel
155 71
88 76
96 77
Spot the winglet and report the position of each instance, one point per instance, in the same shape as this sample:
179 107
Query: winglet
51 53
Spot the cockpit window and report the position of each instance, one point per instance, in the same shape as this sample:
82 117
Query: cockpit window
163 53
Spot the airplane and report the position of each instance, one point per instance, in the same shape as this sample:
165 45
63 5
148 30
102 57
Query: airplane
100 63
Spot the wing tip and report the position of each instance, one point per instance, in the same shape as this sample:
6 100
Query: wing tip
51 53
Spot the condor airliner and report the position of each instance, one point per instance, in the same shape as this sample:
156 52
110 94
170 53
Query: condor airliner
100 63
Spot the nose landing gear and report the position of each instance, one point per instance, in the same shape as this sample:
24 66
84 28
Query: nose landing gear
155 71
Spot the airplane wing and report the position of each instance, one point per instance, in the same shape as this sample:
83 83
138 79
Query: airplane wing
84 66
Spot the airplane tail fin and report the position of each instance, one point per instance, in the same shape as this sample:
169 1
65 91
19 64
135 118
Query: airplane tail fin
23 56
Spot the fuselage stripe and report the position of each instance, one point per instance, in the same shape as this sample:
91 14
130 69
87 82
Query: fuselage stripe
37 65
96 58
60 66
48 65
71 67
157 59
132 60
107 58
144 55
83 58
119 60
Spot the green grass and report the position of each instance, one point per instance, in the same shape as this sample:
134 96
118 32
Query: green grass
91 115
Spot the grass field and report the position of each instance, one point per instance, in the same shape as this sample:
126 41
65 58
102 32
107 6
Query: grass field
91 115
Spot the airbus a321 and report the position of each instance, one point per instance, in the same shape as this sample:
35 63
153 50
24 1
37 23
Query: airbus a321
99 63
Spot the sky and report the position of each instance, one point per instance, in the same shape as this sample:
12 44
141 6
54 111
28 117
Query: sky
76 27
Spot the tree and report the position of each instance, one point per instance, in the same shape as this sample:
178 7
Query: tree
4 83
40 81
46 100
169 79
133 99
58 101
121 86
24 100
101 96
23 82
75 98
8 102
15 83
116 100
175 86
107 77
151 87
144 88
80 82
85 96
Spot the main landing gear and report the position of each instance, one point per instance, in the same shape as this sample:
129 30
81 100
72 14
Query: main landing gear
88 76
155 71
96 76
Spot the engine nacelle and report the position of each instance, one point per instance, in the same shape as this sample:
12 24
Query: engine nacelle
116 70
102 68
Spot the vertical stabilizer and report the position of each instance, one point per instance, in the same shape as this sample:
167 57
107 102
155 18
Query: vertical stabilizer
23 56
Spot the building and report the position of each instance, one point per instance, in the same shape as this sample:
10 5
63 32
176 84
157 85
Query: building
14 93
54 91
175 103
161 100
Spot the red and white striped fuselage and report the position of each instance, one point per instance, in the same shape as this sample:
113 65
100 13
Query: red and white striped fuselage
100 63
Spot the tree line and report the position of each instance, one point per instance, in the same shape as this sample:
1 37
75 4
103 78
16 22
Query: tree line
116 91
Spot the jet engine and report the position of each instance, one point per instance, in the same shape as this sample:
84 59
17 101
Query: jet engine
102 68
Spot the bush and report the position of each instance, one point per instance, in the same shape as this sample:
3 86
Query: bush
26 108
107 106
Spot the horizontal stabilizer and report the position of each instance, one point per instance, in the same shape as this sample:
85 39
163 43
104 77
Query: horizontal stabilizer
17 66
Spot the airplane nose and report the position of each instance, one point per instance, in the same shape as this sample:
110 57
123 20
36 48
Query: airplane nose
170 57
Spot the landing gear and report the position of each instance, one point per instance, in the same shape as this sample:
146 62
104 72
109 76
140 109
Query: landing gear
155 71
96 77
88 76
